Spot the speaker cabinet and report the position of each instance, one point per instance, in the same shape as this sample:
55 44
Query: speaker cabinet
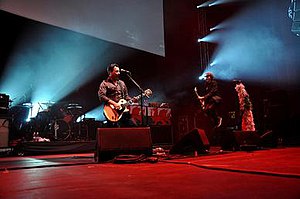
112 142
4 132
196 140
240 140
247 140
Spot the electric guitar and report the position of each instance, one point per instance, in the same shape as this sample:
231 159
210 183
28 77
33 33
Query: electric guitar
202 102
112 114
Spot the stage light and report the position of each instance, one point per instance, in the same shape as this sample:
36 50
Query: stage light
214 3
211 38
95 113
220 26
205 4
251 50
213 63
202 5
219 2
201 77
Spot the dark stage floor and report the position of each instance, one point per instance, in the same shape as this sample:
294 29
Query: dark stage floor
272 173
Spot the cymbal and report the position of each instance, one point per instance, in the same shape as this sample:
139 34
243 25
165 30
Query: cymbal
73 104
48 103
74 107
29 105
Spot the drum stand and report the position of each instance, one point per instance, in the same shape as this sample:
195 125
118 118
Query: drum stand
61 130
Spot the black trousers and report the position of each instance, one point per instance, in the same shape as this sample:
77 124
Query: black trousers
211 112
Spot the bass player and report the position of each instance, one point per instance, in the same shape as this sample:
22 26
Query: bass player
211 99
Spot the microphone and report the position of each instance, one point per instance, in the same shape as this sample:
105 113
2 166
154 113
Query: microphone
125 71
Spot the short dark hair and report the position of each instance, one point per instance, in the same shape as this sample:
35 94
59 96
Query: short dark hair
111 67
209 74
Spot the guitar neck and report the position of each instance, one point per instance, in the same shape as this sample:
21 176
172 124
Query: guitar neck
195 89
136 98
147 93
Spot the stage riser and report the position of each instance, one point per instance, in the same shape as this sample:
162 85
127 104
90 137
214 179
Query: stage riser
58 147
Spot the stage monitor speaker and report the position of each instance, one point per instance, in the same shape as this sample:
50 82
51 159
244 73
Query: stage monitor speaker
240 140
196 140
247 139
112 142
4 132
269 139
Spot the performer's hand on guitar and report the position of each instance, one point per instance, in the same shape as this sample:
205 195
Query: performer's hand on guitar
135 99
115 104
200 98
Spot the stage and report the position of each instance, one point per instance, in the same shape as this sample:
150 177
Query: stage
267 173
159 61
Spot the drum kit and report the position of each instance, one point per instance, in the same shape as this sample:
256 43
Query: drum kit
56 121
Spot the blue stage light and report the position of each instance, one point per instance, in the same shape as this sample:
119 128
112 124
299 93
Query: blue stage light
57 63
211 38
255 48
95 113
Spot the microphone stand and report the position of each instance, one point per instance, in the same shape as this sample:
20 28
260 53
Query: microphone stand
142 104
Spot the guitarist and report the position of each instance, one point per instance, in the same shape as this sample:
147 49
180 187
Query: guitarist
111 90
211 99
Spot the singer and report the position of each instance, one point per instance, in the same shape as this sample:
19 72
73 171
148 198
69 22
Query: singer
111 91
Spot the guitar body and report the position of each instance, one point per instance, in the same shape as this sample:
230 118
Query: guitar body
202 104
114 115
